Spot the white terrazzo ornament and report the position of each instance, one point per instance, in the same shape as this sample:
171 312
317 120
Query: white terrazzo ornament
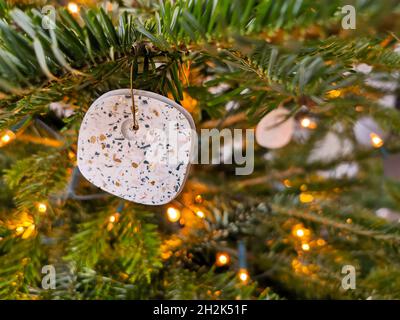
365 129
276 129
148 165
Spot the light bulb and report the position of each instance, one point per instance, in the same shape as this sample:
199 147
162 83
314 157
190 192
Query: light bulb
300 233
222 259
305 122
376 140
200 214
19 230
73 7
306 197
114 217
334 94
308 123
42 207
173 214
305 246
198 199
287 183
243 275
6 137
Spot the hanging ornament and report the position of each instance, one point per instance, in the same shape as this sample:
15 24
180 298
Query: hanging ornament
344 170
331 147
276 129
368 133
62 109
388 214
138 150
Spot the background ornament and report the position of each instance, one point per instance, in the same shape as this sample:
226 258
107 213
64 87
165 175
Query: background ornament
275 129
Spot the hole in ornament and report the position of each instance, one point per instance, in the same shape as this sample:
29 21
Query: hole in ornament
128 130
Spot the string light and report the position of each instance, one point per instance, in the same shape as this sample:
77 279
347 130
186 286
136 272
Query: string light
19 230
243 275
287 183
114 217
29 231
305 246
200 214
25 229
73 7
42 208
222 259
306 197
71 155
173 214
299 231
308 123
198 199
7 137
334 93
112 220
321 242
376 140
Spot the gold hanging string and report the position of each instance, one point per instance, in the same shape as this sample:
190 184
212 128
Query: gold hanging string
135 125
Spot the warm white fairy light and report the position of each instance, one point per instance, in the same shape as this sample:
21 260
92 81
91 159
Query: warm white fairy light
200 214
173 214
243 275
198 198
376 140
300 233
6 137
222 259
305 122
42 207
73 7
308 123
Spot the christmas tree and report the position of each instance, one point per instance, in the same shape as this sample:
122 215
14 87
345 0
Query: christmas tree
314 216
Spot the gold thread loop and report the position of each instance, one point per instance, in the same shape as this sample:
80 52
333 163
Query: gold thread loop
135 125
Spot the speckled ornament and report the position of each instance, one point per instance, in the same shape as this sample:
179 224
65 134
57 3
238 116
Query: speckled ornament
275 130
149 165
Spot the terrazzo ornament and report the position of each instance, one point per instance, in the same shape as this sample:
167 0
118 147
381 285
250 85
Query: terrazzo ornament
149 165
275 130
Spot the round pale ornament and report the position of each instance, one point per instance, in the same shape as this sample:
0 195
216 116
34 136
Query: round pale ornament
330 148
276 129
344 170
366 129
149 165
